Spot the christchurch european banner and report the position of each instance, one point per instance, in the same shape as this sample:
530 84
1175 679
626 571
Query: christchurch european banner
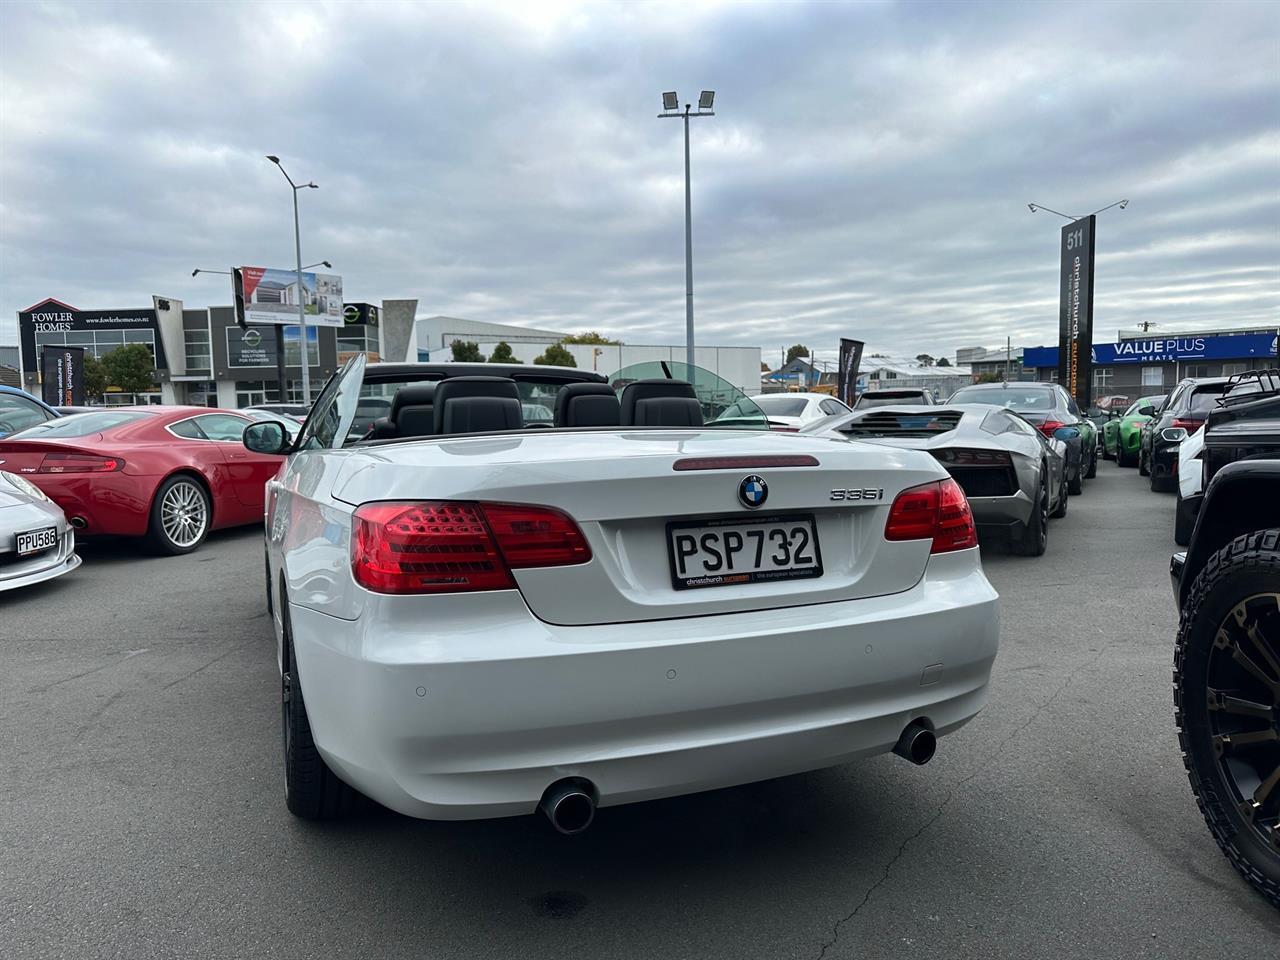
850 359
62 376
1075 310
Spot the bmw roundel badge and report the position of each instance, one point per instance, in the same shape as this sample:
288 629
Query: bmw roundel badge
753 491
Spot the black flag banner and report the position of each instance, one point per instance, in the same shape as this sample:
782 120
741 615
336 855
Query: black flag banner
850 359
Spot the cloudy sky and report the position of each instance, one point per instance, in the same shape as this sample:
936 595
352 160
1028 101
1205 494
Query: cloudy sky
866 174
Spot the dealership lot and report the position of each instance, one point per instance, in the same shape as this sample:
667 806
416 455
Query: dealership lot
144 814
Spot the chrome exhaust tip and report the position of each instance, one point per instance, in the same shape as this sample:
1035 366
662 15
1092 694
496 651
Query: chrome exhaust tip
917 743
570 805
78 522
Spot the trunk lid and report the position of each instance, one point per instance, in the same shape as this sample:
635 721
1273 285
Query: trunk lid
624 488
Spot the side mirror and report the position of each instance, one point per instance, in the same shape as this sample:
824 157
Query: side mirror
1147 411
269 436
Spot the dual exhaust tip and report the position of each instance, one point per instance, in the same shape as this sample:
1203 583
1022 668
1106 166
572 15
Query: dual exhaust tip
570 804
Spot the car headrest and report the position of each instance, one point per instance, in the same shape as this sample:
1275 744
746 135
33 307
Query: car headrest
477 404
382 429
411 410
587 405
660 403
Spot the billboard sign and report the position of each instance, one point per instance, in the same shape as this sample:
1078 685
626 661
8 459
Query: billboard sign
1241 346
62 376
359 313
255 346
1075 310
847 383
52 323
272 296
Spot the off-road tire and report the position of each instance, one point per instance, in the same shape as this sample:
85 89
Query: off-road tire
1249 565
312 790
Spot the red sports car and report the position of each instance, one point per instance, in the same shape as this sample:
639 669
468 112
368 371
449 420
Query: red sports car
170 474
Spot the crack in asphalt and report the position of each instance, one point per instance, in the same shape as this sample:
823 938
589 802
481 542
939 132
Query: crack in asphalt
210 663
981 766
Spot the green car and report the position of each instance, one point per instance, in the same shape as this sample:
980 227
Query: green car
1121 436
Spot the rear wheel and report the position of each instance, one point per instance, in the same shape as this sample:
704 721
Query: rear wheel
1061 510
1121 459
1226 680
1075 482
1093 465
180 516
1035 535
311 790
1143 469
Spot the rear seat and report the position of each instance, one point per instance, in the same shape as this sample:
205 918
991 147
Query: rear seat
412 413
477 405
587 405
660 403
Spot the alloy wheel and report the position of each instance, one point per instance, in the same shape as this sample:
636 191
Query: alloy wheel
1244 710
184 513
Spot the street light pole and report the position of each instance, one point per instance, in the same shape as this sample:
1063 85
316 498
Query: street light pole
302 313
670 108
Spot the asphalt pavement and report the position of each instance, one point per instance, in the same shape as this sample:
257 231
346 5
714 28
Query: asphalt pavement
142 815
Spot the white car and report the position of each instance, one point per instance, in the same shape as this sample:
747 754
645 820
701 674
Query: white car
794 410
487 619
36 542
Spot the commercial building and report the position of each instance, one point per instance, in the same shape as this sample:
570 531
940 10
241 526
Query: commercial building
739 366
202 357
1135 364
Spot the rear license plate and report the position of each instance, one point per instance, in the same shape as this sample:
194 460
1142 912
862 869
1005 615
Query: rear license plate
717 553
35 541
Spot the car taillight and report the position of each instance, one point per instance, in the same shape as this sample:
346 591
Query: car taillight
1050 427
458 547
935 510
974 458
79 463
1191 426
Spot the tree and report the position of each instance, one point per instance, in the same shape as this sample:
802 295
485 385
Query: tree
944 362
990 378
555 356
95 377
466 351
590 336
764 367
131 368
797 350
502 353
924 360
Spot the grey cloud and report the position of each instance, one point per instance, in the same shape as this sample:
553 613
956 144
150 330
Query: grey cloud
866 173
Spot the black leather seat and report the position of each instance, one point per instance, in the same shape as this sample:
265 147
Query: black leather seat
660 403
477 404
587 405
411 413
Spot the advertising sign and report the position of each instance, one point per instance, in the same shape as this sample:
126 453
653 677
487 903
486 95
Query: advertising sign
1242 346
272 296
52 323
850 359
1075 310
360 313
62 376
256 346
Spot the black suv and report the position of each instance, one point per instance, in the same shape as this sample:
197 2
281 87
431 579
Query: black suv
1182 414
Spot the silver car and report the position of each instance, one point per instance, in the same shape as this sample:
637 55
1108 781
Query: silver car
36 542
1013 476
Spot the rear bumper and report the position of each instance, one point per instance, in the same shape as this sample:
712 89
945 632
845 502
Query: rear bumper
1001 513
1164 459
445 708
116 504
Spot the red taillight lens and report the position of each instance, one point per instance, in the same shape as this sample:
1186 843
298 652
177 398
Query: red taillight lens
536 536
1191 426
1050 427
79 463
935 510
447 547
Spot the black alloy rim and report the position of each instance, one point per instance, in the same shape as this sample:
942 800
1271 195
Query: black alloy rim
1244 710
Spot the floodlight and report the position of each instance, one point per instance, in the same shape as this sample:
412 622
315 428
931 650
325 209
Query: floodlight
195 271
1123 204
1032 207
275 160
706 99
671 101
327 264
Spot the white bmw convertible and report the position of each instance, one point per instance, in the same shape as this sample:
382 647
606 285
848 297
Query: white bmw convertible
479 614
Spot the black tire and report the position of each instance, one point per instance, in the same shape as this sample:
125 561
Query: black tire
311 790
1063 500
1160 484
1035 534
1143 470
1234 597
1121 459
1075 481
1183 523
167 531
1093 465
